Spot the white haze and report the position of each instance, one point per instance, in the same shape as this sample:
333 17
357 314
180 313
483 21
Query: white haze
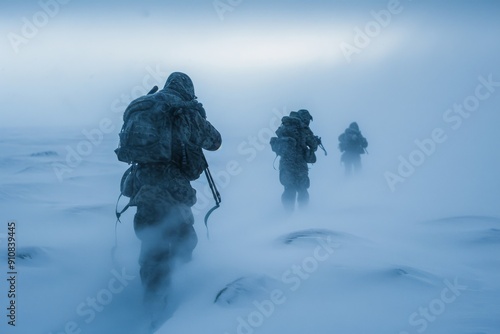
258 63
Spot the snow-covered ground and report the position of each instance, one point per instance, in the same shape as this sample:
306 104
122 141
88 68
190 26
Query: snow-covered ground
360 259
408 246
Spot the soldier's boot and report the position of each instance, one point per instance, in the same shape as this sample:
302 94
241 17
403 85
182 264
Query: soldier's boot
155 281
348 168
356 166
303 198
288 199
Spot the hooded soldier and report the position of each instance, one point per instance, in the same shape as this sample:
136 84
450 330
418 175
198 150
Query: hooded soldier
296 145
164 220
352 144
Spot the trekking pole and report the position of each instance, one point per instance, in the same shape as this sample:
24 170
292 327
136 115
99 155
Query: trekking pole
215 193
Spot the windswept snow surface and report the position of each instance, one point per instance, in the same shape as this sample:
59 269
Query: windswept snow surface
359 259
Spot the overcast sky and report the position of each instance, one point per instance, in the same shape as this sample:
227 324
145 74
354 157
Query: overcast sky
67 62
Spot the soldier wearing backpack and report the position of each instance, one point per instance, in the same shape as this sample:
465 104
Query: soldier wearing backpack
162 137
352 144
296 145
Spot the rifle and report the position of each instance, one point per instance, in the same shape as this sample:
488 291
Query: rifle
153 90
215 193
320 144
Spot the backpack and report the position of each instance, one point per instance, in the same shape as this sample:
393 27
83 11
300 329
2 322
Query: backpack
128 183
290 140
152 133
352 140
282 145
146 134
342 143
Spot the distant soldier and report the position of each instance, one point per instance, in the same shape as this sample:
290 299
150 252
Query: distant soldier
296 145
352 144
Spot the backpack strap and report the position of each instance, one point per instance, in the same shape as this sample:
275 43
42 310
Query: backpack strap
274 161
118 214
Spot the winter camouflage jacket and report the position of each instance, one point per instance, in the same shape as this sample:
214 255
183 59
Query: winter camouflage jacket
352 140
296 145
303 142
169 183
